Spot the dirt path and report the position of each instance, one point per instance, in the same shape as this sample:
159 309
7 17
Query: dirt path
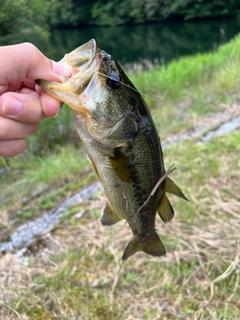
206 128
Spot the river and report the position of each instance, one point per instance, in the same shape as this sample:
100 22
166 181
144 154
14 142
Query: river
161 42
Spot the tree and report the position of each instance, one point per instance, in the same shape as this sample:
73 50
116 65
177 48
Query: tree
70 13
22 20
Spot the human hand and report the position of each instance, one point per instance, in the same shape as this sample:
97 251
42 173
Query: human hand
22 103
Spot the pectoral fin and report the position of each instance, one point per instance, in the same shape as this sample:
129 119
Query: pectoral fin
165 209
171 187
109 216
153 247
122 166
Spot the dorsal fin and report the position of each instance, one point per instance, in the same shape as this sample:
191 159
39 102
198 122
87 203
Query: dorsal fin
165 209
109 216
171 187
153 247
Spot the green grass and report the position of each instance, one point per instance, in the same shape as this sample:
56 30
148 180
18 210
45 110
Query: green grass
28 174
191 87
86 277
215 72
81 274
64 163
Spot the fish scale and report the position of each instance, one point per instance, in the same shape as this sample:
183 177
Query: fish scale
122 143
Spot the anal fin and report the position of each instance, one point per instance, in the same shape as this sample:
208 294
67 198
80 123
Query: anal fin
165 209
109 216
171 187
153 247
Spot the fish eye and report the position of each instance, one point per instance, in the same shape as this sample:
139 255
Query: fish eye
114 81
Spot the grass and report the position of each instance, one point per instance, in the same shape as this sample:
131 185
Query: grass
78 272
191 86
209 71
83 275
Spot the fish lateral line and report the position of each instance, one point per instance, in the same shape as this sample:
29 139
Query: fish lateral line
163 177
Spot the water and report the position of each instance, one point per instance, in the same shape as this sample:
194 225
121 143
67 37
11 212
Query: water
162 41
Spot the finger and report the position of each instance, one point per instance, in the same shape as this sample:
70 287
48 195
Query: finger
50 105
21 107
11 129
24 60
29 107
12 148
17 86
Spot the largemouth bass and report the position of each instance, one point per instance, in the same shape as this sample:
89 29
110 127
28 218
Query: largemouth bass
122 144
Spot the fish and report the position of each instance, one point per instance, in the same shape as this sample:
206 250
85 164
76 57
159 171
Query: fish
122 144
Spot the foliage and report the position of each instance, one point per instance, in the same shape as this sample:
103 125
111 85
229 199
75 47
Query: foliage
53 132
22 20
119 12
190 9
109 13
70 13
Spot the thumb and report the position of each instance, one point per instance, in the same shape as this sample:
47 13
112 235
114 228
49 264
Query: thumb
24 60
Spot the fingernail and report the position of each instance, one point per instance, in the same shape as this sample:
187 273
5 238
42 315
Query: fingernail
62 69
12 107
56 114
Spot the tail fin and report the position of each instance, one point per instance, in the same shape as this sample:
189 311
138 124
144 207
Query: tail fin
153 247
